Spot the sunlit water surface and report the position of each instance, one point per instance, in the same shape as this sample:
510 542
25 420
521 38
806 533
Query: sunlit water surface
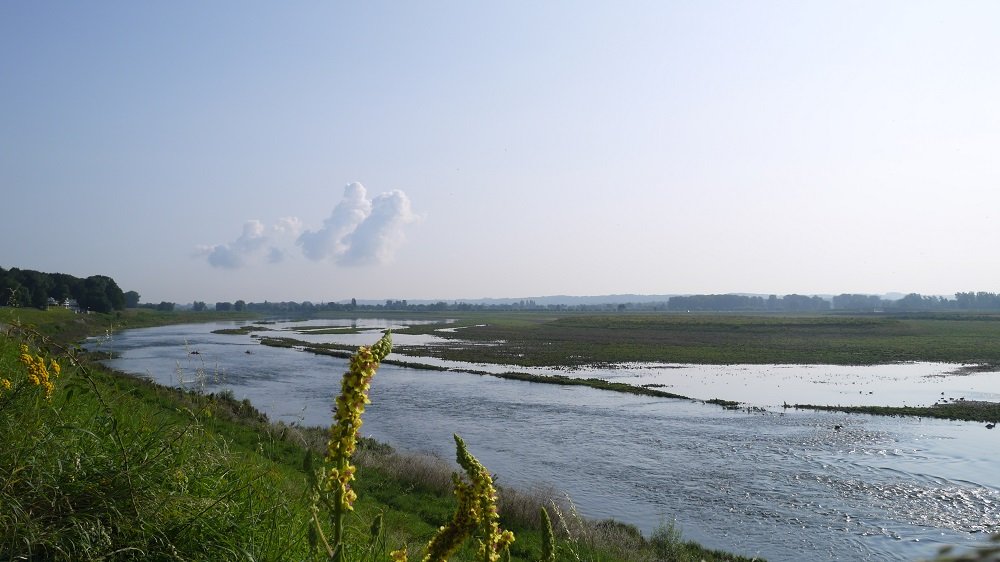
781 484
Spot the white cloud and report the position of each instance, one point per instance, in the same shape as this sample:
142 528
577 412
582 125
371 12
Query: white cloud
290 225
359 231
236 253
376 239
328 241
253 246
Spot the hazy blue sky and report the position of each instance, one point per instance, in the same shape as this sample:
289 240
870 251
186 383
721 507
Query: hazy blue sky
322 150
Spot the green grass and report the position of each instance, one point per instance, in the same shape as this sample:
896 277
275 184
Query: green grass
107 469
964 410
67 327
570 339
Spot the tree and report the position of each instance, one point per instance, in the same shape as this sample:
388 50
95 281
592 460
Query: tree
115 294
198 306
38 285
64 287
912 301
165 306
240 305
223 306
131 299
94 294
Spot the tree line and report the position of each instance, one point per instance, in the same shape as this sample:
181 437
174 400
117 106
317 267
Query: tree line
912 302
30 288
100 293
846 302
740 303
687 303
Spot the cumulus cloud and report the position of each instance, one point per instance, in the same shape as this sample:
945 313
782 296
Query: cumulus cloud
290 225
236 253
359 231
329 241
376 239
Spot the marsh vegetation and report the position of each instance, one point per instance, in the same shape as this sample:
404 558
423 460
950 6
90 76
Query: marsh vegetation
547 339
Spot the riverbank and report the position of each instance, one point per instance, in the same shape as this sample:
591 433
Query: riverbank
159 449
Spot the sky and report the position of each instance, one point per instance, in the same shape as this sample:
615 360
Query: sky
448 150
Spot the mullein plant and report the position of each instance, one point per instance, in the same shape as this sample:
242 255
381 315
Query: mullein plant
548 537
477 498
333 485
476 514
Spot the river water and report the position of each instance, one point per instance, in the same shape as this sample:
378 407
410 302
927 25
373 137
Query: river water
771 482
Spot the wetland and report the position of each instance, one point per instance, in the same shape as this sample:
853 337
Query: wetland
756 478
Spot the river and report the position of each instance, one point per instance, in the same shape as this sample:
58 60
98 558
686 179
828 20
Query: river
771 482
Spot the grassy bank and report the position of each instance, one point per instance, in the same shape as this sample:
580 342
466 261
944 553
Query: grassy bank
112 467
67 327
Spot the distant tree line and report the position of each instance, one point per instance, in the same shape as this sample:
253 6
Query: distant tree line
845 302
743 303
916 302
693 303
29 288
100 293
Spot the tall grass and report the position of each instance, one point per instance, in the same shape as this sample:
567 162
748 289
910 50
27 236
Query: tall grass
94 473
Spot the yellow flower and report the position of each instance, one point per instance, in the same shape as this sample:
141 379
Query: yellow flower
476 509
38 374
398 555
6 384
347 418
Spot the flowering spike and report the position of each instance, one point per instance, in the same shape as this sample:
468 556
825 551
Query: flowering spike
350 405
477 509
548 538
